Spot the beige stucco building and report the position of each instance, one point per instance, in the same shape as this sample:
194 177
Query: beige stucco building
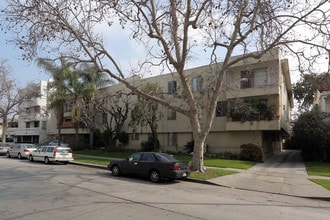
253 107
322 100
264 86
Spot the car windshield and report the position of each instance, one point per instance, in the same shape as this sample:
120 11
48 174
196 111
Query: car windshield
165 157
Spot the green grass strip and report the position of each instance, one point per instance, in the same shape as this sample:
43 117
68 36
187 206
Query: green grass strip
322 182
211 173
318 168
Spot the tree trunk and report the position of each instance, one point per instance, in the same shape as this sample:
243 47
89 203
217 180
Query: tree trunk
4 129
91 137
198 155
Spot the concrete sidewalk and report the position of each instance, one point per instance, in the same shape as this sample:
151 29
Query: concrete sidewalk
284 174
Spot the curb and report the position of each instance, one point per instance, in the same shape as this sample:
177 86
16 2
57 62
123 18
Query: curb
201 182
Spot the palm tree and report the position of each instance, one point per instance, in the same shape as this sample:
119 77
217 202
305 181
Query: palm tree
59 91
91 80
76 89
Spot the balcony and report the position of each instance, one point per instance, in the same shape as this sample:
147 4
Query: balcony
254 91
253 119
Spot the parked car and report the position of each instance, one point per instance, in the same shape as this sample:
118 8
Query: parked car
55 143
48 154
4 148
21 150
156 166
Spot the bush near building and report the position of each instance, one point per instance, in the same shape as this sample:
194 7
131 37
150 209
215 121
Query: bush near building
251 152
311 134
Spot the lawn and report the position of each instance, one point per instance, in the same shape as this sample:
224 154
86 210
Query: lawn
322 182
88 156
86 159
319 169
211 173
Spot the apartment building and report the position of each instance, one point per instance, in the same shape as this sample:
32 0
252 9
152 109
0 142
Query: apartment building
31 126
254 107
322 100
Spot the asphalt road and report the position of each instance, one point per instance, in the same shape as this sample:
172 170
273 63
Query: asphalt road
38 191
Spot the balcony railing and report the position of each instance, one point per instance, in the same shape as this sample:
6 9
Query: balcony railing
263 115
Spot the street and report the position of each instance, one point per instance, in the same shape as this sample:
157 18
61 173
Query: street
57 191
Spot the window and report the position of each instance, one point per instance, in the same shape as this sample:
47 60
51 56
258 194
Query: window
147 157
27 124
66 119
68 107
260 77
221 110
171 114
44 124
135 136
36 124
171 87
196 83
246 79
172 139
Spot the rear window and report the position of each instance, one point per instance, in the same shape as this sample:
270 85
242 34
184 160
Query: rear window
63 150
30 146
50 149
165 158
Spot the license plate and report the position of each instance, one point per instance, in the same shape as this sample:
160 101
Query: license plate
184 174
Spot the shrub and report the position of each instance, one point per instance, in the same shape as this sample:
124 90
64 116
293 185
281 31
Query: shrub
251 152
152 144
230 155
311 134
189 147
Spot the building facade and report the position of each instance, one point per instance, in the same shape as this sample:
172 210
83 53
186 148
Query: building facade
322 100
31 126
253 107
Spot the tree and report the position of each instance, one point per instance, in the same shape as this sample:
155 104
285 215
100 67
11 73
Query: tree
117 107
172 32
92 80
59 93
304 90
11 97
311 134
146 113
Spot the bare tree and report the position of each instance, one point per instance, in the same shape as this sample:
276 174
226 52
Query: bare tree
173 31
146 113
115 109
11 97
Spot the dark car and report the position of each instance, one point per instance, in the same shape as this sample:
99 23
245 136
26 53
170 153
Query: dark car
156 166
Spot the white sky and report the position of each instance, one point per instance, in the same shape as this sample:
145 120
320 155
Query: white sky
125 51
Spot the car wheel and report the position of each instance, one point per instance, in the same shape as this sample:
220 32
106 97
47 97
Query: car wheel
8 155
19 156
30 158
115 170
47 160
154 176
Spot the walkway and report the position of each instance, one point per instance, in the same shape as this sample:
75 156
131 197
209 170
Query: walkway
284 174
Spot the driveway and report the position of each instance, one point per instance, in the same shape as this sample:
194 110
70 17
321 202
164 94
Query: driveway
283 174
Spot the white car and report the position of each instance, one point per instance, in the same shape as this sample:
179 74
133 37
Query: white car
55 143
4 148
48 154
21 150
